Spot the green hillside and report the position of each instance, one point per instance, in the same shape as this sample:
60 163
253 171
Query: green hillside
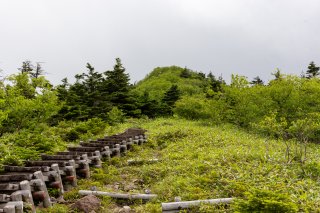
161 79
199 160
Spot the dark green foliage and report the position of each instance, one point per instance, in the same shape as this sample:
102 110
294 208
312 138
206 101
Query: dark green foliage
35 71
149 107
38 71
257 81
265 201
201 75
215 84
169 99
72 135
118 89
172 95
26 67
94 94
277 74
313 70
185 73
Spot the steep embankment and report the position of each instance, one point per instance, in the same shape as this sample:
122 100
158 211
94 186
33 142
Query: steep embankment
200 161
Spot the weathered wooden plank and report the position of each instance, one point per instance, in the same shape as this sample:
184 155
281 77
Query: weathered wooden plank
15 177
4 198
83 149
58 157
75 153
9 186
26 169
46 163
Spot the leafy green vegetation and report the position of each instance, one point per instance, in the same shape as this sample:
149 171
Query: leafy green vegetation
253 141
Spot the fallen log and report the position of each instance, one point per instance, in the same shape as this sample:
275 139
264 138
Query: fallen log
173 206
119 196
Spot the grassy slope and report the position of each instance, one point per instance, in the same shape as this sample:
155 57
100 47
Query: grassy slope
202 161
161 79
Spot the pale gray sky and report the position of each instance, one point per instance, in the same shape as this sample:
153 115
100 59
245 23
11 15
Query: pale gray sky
248 37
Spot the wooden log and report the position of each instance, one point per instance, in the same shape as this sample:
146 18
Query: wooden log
4 198
187 204
84 149
98 144
26 169
46 163
75 153
15 177
119 196
58 157
9 187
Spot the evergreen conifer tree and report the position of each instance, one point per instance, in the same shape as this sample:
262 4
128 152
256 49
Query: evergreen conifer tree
313 70
215 84
257 81
117 89
169 99
26 67
185 73
277 74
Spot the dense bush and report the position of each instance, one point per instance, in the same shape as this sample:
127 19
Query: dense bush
197 107
265 201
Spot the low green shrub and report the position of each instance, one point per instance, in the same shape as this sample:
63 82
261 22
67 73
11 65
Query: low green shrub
311 170
115 116
265 201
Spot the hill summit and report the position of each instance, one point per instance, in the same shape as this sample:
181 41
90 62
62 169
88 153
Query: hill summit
161 79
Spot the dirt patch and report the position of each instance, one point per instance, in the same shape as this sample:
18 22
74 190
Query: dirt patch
87 204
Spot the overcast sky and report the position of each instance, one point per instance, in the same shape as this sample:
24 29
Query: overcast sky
248 37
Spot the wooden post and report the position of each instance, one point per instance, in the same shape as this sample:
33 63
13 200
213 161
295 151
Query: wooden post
97 160
71 176
116 150
129 143
107 153
39 187
84 171
27 195
57 177
123 147
141 140
136 140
